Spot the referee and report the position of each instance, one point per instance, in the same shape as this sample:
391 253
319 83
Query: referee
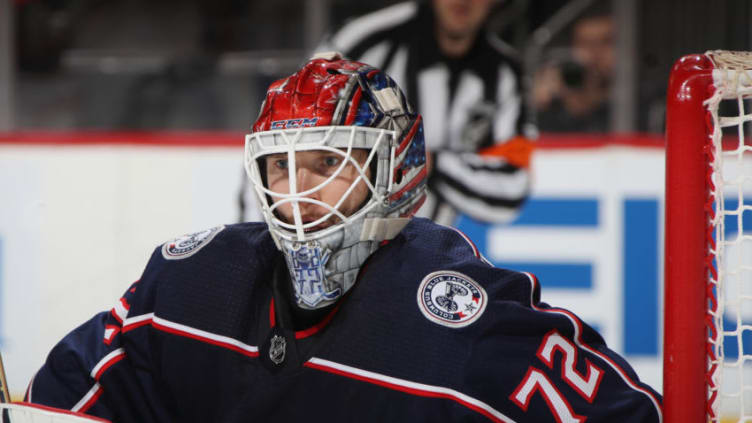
467 86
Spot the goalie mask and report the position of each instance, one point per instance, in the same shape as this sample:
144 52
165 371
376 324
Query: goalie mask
357 178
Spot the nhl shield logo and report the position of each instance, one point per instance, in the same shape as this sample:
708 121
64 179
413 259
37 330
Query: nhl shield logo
277 349
451 299
188 245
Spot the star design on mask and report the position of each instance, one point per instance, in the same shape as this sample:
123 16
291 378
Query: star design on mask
470 307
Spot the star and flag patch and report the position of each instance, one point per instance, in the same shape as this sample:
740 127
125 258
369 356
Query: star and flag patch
451 299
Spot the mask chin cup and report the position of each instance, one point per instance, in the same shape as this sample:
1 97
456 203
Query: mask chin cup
307 262
323 269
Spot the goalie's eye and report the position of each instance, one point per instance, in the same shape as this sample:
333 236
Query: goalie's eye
332 161
279 163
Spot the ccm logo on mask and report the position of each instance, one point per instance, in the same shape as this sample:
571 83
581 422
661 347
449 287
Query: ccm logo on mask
294 123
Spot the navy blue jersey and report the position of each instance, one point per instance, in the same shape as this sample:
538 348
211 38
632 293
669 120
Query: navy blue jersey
429 332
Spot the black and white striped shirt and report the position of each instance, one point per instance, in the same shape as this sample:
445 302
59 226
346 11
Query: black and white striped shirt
468 105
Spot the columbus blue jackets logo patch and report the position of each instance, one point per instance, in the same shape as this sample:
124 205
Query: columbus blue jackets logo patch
451 299
188 245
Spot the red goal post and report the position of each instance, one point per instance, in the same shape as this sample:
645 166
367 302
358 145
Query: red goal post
707 161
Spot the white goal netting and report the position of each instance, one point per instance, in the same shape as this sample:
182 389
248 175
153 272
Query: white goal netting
730 345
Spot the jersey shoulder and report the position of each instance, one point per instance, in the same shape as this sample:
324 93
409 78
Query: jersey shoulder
216 243
423 236
433 295
431 249
201 254
191 278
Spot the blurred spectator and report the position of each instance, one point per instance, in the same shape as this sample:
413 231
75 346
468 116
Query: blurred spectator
466 84
571 92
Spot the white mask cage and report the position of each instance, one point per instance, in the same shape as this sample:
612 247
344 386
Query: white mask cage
340 140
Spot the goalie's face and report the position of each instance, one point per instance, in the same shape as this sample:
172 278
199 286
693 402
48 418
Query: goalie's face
345 191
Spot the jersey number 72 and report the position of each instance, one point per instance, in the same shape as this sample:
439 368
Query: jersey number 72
536 380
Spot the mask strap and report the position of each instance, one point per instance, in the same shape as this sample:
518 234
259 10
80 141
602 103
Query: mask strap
380 229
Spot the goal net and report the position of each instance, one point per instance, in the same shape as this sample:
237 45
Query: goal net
708 284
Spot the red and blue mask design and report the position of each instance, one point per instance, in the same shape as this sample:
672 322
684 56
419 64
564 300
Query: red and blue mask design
339 105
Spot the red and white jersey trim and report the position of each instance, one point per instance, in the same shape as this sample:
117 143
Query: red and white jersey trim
110 331
409 387
166 326
136 321
182 330
577 340
120 311
93 395
88 400
106 362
